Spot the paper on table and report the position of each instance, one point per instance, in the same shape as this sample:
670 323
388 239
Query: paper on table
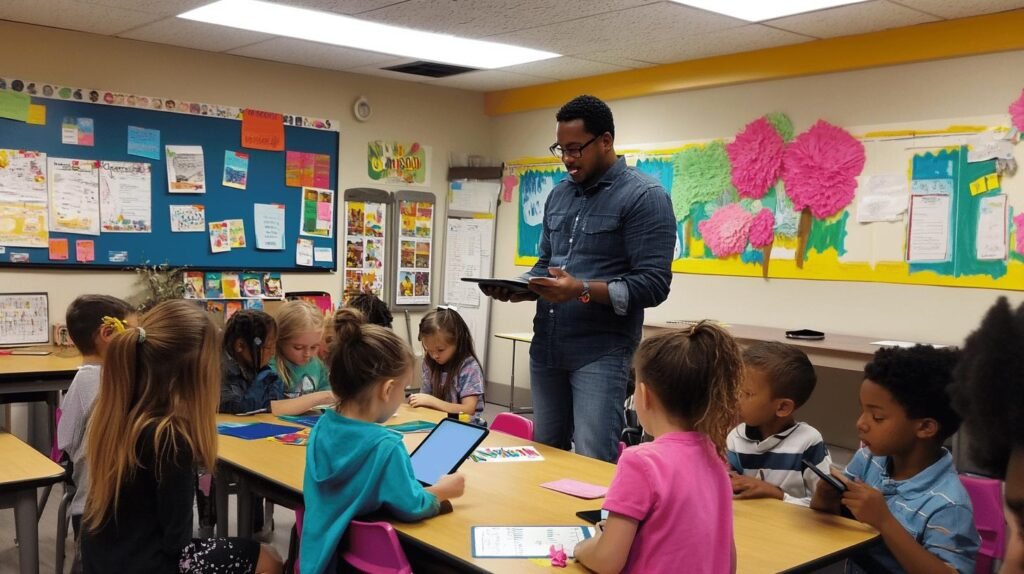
576 488
526 541
269 225
929 228
992 237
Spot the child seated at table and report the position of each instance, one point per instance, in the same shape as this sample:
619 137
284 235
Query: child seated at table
296 360
453 380
373 309
354 465
902 482
766 450
670 503
92 321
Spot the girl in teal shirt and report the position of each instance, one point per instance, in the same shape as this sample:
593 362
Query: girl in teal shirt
299 325
355 466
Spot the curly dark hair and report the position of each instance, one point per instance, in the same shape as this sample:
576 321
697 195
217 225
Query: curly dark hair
988 387
375 310
918 378
790 373
596 115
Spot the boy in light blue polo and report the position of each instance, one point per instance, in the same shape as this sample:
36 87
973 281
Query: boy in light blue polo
902 483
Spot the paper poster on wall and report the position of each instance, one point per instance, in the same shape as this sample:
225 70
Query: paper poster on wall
77 131
262 130
14 105
415 253
317 212
24 319
125 197
144 142
268 225
36 115
85 250
74 186
23 198
236 233
307 169
398 163
882 198
236 169
188 218
992 238
186 172
928 230
220 240
364 248
304 252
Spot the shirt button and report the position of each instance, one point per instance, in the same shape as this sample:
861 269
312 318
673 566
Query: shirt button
551 312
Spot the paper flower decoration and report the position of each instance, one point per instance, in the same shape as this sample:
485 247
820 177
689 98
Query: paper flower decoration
700 174
820 169
1019 221
756 158
762 228
782 124
727 230
1017 112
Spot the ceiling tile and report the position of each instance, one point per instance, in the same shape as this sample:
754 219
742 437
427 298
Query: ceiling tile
731 41
564 68
341 6
73 15
650 26
197 35
487 80
852 19
305 53
490 17
961 8
613 57
161 7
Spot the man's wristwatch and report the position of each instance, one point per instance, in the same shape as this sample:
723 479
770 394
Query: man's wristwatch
585 295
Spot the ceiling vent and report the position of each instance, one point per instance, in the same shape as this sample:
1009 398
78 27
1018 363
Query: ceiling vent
430 69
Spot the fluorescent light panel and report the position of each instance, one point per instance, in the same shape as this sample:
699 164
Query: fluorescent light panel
761 10
338 30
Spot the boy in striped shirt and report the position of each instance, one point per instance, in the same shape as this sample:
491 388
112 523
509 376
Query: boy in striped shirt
767 449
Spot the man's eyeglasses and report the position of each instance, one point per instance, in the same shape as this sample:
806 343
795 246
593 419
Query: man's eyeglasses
576 152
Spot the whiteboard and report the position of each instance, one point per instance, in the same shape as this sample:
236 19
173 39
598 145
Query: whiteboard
468 252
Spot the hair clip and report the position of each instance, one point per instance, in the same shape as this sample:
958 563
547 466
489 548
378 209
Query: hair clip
258 342
142 335
114 323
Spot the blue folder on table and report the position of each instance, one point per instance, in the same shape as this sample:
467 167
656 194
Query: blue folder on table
256 430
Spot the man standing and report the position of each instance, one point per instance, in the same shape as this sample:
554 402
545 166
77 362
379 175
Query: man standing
605 255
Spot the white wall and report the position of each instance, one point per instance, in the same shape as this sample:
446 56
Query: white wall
448 120
930 92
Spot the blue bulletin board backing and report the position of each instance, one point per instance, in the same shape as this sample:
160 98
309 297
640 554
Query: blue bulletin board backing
266 184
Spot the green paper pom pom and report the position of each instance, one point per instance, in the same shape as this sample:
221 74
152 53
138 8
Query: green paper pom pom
782 124
700 174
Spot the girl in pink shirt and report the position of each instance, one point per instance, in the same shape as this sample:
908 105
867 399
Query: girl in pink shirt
670 503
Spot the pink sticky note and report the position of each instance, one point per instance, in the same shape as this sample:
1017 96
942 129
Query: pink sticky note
323 211
507 183
85 250
576 488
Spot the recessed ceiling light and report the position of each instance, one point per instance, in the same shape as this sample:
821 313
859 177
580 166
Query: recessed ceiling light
761 10
338 30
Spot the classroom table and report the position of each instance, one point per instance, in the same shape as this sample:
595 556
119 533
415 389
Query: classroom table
22 471
771 536
31 378
515 338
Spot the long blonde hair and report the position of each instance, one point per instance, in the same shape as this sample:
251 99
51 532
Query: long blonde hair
165 373
696 374
294 318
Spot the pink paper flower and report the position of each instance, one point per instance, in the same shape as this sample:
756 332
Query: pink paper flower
762 228
726 231
756 158
820 169
1019 221
1017 112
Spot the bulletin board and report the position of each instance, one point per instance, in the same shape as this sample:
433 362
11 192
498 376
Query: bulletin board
984 212
219 138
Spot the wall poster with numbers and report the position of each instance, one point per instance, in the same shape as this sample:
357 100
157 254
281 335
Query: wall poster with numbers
24 319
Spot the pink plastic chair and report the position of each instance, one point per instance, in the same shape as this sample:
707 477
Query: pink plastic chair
373 547
514 425
987 499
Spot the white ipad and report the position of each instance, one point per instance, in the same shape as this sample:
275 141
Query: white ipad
444 449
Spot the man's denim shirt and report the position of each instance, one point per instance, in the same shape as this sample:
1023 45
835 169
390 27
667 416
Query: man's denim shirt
621 230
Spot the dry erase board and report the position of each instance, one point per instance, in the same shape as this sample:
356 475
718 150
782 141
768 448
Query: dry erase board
265 185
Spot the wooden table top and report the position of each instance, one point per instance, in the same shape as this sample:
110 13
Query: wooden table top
771 535
521 337
60 361
23 466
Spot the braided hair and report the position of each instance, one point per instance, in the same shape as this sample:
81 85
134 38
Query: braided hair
254 328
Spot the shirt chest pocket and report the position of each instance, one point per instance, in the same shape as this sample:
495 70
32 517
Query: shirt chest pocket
602 234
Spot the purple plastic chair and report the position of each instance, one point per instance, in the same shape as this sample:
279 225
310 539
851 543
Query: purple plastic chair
987 499
514 425
373 547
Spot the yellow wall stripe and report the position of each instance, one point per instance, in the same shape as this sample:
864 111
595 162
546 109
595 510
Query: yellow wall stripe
985 34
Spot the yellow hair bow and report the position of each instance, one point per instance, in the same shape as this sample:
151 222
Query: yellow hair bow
114 323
